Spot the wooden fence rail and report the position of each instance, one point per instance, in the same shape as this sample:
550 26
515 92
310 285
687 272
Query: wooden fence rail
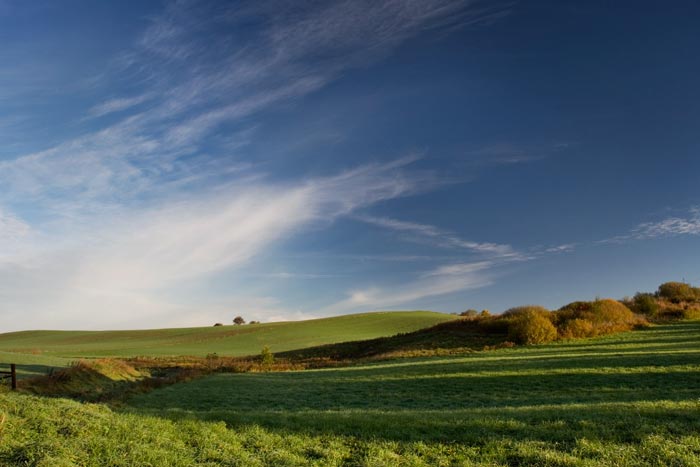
12 374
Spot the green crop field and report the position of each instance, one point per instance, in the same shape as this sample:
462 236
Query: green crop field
630 399
224 340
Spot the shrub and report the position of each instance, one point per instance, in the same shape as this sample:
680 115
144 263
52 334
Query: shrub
692 312
531 327
674 311
471 313
512 312
609 311
218 324
606 316
677 292
267 358
646 304
577 328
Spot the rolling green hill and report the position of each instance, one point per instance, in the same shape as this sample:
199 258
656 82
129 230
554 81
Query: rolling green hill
224 340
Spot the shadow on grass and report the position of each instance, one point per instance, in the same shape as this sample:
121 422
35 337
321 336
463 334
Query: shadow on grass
627 423
609 422
27 371
459 408
559 393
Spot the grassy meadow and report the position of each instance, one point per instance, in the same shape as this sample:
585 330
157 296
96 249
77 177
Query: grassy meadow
31 364
230 340
629 399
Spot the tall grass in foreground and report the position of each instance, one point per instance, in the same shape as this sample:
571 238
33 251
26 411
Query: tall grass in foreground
59 432
624 400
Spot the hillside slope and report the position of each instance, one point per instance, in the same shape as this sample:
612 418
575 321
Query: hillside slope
455 336
223 340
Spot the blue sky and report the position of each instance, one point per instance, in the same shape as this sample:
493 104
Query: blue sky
181 163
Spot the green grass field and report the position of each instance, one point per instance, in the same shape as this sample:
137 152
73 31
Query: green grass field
224 340
626 400
31 365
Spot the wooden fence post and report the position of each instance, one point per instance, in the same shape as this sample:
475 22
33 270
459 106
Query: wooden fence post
13 371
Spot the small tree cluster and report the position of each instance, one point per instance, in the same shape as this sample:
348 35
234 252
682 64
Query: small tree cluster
671 301
533 324
473 314
238 320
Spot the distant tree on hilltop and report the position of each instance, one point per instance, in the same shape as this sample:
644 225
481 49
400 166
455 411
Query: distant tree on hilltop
238 320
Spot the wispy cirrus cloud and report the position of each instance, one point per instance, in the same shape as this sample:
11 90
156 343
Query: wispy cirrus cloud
138 204
450 277
117 105
669 227
437 236
563 248
506 153
445 279
298 50
129 263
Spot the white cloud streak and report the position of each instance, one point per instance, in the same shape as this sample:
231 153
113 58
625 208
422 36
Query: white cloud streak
438 236
564 248
125 265
442 280
117 105
669 227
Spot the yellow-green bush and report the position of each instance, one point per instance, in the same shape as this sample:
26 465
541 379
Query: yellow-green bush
518 310
645 303
501 324
605 316
669 311
576 328
677 292
531 326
